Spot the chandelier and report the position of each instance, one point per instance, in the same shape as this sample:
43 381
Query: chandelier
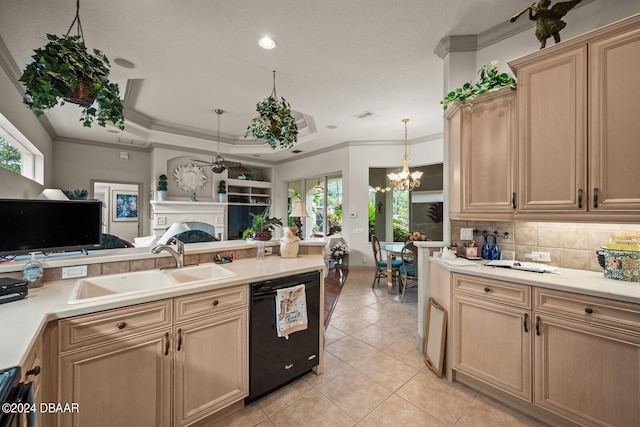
405 180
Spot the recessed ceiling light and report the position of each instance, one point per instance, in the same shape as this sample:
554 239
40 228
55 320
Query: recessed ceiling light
124 63
332 127
267 43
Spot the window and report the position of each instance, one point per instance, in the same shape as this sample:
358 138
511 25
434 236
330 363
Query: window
323 200
29 163
393 214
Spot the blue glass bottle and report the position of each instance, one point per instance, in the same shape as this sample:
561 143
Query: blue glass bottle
486 253
495 251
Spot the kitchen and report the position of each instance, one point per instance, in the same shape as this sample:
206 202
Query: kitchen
346 158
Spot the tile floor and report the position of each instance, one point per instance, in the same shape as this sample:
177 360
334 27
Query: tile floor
374 375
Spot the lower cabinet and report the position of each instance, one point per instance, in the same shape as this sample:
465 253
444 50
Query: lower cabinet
165 363
568 358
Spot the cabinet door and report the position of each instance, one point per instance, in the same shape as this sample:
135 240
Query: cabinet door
552 133
211 365
121 384
492 343
488 152
586 373
614 92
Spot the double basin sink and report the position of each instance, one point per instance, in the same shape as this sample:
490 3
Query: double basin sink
103 287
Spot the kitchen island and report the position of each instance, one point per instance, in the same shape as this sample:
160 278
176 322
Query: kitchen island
150 330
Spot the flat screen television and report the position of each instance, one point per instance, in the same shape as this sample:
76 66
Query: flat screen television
240 219
33 225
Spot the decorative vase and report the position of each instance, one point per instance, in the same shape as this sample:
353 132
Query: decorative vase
161 194
289 249
221 197
486 252
495 251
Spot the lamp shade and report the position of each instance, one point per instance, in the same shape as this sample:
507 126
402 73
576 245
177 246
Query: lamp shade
299 210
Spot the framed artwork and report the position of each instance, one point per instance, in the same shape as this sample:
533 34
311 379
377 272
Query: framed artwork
125 205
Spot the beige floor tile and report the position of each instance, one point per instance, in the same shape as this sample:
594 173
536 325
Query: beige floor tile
333 367
350 350
396 411
376 336
485 412
367 314
349 325
407 351
332 334
314 409
386 370
250 415
284 397
436 397
346 392
398 326
265 423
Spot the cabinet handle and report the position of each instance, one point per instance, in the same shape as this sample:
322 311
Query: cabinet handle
121 325
538 325
580 198
526 323
35 371
513 200
588 310
215 303
166 346
179 339
487 290
595 197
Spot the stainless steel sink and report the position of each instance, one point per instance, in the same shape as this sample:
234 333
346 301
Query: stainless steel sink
115 285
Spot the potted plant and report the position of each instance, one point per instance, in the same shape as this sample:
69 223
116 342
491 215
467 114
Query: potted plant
162 187
63 70
222 190
490 79
261 226
274 122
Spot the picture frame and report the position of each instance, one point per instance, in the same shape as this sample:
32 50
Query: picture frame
435 337
125 205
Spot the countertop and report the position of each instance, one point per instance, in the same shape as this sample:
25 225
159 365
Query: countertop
22 321
564 279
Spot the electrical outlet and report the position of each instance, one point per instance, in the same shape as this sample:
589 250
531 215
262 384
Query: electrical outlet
268 251
541 256
364 259
75 271
466 234
508 255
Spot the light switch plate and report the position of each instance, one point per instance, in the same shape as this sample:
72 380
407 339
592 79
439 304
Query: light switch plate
75 271
508 255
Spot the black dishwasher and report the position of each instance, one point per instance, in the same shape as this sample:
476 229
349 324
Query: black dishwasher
275 361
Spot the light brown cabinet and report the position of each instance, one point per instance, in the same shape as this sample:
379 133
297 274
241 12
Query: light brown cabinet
565 357
165 363
484 166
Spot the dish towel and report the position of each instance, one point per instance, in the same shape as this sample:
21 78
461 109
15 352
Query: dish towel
291 310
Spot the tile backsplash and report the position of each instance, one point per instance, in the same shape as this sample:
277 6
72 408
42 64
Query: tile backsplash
572 245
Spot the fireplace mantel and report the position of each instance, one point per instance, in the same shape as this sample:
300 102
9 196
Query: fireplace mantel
167 212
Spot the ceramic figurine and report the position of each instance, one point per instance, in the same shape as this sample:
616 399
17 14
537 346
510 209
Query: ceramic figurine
289 245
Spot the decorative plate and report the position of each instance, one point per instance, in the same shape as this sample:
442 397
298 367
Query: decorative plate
189 177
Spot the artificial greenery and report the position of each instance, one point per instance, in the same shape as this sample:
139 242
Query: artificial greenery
490 79
55 72
162 183
274 123
222 187
77 194
261 223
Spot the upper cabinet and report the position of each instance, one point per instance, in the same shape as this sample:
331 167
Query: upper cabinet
484 168
575 136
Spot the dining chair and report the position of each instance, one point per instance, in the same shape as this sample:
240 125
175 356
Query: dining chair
381 264
193 236
408 270
109 241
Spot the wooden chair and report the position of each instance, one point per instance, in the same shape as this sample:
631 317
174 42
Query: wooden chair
409 267
193 236
381 264
109 241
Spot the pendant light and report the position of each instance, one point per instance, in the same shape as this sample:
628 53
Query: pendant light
405 180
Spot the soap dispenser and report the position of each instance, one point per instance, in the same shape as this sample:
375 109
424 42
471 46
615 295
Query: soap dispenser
495 251
486 252
33 272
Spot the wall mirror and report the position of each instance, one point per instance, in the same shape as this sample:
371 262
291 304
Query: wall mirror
435 336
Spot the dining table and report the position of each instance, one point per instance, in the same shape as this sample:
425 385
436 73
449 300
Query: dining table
392 250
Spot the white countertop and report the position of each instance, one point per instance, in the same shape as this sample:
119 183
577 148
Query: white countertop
22 321
564 279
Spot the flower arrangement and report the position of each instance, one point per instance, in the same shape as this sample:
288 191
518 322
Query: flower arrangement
338 251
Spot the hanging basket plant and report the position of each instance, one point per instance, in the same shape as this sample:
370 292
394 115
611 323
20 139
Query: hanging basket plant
274 123
65 71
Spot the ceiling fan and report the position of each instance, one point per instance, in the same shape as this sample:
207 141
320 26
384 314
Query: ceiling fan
218 163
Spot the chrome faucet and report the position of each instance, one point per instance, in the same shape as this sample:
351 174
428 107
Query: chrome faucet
178 255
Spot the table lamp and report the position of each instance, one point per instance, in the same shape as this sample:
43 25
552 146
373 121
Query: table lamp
299 211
